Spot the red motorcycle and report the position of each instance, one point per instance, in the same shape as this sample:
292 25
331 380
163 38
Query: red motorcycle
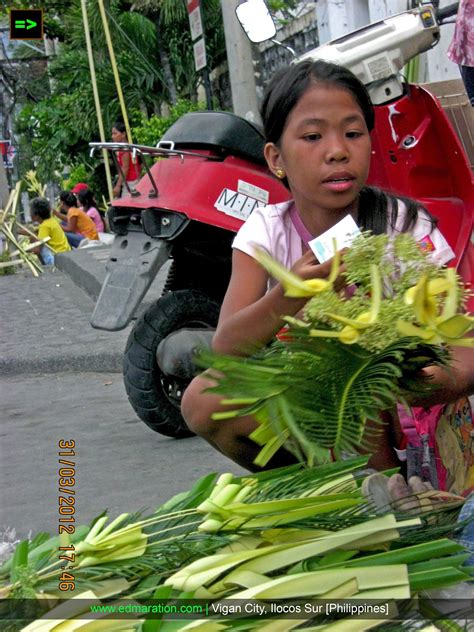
212 174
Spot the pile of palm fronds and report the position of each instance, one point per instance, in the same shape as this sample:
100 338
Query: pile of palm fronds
356 352
288 534
17 248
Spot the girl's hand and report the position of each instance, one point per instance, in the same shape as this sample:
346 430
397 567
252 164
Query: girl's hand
448 383
307 267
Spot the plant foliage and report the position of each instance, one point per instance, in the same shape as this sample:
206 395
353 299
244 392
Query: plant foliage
155 64
356 352
149 130
291 533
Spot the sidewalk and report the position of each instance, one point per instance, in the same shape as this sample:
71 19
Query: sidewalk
61 379
46 320
45 328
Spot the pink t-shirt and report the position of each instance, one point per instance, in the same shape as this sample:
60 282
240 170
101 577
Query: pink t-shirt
95 216
270 228
461 49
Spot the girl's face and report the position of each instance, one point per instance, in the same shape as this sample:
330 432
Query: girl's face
118 137
324 150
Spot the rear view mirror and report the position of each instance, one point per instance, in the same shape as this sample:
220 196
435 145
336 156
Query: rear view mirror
256 21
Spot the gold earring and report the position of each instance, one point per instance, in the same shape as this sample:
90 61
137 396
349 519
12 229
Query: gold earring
280 174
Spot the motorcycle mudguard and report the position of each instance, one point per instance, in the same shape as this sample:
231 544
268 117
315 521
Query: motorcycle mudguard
134 261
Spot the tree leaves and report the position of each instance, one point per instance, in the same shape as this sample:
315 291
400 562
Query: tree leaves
61 125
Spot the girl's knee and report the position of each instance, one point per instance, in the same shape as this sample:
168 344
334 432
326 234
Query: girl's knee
198 406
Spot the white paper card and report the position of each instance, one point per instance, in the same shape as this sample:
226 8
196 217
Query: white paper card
344 232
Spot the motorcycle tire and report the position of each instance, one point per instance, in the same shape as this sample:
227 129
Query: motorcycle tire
154 396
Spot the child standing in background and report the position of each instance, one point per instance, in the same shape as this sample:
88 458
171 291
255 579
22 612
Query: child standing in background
461 49
131 167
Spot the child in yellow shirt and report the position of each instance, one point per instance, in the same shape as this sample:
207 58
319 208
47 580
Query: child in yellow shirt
40 211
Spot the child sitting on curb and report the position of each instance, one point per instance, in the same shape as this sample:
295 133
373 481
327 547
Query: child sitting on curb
40 211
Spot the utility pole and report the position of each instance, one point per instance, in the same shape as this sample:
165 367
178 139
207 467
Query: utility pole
241 69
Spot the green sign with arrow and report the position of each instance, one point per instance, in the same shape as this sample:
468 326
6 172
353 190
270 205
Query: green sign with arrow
26 24
20 24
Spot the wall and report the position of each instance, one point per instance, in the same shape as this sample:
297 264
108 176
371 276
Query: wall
300 34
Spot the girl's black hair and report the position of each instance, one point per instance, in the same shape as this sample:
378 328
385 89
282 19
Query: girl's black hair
40 207
284 91
119 125
86 198
68 198
378 211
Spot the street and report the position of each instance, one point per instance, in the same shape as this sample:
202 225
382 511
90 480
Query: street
119 463
48 395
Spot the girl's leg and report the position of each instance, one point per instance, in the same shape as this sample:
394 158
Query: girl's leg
467 74
46 256
132 185
229 436
74 239
383 439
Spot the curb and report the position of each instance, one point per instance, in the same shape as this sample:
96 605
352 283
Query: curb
86 268
104 362
83 268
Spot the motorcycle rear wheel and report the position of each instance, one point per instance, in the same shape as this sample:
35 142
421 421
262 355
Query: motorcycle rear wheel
154 396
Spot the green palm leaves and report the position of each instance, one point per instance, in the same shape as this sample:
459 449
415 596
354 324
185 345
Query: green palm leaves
293 285
314 395
349 357
354 326
292 533
107 544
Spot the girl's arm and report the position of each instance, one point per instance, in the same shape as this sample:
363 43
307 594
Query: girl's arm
71 225
62 216
124 167
249 316
118 186
450 383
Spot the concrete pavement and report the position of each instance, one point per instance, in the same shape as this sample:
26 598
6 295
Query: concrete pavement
45 328
119 463
60 379
53 312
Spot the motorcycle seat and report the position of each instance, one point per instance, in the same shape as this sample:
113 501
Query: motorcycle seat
222 132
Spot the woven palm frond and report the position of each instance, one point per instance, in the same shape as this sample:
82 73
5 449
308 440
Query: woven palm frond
320 390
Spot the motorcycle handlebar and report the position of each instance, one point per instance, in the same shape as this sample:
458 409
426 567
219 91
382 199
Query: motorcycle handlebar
447 12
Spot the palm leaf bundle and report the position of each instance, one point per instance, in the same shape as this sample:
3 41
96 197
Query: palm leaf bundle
291 533
34 185
16 250
355 352
18 247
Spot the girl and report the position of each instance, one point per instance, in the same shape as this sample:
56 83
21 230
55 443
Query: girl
89 206
317 118
129 166
76 224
